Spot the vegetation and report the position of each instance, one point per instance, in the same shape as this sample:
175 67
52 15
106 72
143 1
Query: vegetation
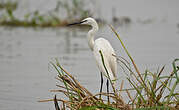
148 90
36 19
8 5
153 91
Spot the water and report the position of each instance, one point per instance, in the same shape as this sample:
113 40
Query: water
25 73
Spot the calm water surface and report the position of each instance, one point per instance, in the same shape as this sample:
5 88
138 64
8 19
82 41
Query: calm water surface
25 73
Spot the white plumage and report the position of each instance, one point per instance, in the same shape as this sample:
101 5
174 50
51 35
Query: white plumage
107 51
101 44
109 60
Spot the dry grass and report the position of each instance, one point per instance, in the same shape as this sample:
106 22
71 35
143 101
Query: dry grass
153 91
79 97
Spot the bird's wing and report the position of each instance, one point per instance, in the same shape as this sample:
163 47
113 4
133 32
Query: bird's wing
113 64
109 60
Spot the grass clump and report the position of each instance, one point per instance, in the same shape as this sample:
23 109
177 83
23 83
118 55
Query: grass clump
79 97
153 91
149 91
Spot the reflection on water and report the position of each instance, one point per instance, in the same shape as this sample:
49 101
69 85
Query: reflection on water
25 74
24 63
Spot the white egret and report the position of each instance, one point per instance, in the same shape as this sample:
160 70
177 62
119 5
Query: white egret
107 51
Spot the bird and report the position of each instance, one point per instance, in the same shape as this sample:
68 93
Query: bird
108 53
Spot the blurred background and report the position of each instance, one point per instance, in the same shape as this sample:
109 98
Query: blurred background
33 33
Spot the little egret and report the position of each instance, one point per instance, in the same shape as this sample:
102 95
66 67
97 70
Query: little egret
105 47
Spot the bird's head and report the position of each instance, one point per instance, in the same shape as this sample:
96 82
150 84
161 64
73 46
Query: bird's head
87 21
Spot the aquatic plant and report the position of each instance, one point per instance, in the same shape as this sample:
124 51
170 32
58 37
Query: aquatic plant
150 87
50 19
152 90
8 4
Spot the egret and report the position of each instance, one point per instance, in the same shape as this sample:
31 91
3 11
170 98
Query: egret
105 47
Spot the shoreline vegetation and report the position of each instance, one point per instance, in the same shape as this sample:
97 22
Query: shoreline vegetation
73 8
148 91
74 11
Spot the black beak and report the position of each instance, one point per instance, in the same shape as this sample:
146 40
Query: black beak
76 23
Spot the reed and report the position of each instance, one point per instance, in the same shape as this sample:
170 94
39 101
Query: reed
150 87
148 91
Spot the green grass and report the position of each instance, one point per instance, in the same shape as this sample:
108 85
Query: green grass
150 90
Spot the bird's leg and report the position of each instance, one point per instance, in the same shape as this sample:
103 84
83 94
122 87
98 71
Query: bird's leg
101 85
107 84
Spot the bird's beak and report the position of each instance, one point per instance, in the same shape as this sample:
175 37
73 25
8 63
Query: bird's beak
77 23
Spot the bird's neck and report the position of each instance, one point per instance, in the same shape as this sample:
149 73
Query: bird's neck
91 35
